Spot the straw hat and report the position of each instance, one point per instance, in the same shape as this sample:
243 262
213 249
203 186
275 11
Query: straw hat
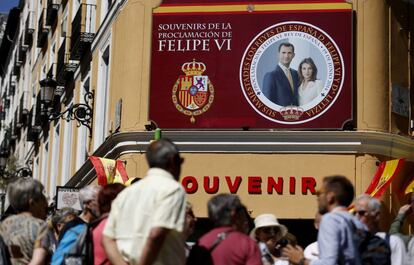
267 220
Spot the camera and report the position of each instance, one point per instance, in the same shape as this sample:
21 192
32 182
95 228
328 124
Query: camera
280 245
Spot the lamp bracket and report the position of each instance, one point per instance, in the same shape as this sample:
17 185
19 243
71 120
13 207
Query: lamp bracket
81 112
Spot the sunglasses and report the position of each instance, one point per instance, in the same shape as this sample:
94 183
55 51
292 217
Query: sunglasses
270 230
360 213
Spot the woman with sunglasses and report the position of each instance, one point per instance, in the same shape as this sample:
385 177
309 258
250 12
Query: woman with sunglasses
271 238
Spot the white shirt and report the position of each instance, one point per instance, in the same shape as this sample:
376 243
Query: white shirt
285 69
311 252
157 200
410 252
276 261
398 252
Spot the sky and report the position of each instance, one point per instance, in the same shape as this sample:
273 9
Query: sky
6 5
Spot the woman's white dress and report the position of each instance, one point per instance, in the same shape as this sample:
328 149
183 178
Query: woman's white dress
310 92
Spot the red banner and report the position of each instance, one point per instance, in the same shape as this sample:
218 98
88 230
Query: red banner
265 65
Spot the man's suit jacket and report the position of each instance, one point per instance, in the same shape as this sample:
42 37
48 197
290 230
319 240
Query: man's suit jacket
277 89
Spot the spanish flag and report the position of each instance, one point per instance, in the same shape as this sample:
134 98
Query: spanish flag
109 171
386 172
410 187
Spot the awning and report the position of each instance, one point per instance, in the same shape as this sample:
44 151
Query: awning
260 142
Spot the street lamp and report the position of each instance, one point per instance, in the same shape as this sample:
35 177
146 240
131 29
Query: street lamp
47 90
81 112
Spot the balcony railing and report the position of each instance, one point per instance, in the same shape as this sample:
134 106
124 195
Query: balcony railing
43 31
29 29
65 67
51 12
83 31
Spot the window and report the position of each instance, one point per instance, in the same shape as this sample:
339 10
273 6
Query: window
52 55
66 152
55 161
105 7
75 7
36 168
64 24
102 99
82 148
45 164
39 8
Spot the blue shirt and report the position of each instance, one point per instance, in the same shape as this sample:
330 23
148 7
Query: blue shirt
66 243
335 239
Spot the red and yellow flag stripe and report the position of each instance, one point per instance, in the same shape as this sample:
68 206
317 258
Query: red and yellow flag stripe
386 172
253 7
410 187
109 171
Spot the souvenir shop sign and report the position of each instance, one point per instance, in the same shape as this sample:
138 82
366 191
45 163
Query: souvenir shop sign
67 197
265 65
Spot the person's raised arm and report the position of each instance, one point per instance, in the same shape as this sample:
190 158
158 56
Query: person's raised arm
398 222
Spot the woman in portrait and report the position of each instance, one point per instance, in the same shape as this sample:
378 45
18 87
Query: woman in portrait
309 87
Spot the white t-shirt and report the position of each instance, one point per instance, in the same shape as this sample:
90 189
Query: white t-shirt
398 252
157 200
311 252
410 252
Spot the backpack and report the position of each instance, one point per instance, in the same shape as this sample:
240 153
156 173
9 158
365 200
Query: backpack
200 255
372 249
67 242
81 252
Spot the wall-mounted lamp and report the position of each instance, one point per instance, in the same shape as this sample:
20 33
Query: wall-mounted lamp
81 112
47 90
151 126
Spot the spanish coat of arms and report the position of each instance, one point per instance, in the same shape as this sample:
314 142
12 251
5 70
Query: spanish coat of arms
193 93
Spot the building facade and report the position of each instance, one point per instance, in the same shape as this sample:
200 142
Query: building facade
102 56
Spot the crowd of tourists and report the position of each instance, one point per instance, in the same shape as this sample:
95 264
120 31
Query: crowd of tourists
150 221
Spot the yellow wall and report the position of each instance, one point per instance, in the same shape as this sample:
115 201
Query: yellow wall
286 205
371 53
130 59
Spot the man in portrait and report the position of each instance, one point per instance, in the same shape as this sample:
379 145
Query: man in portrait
281 85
